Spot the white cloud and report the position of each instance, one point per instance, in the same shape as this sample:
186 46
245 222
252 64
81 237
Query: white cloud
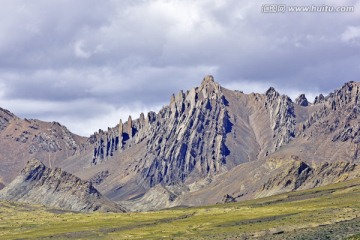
79 50
85 62
351 34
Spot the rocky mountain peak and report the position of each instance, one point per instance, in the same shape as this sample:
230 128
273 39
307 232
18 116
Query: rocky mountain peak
182 109
271 93
349 93
319 99
189 136
209 87
340 110
348 86
282 117
302 100
33 170
209 79
187 139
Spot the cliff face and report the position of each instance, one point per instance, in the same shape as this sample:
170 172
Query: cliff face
345 103
282 118
38 184
202 132
188 137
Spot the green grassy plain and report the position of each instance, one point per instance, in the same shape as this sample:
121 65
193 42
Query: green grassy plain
278 217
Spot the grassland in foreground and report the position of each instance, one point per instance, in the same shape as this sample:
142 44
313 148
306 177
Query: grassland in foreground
323 213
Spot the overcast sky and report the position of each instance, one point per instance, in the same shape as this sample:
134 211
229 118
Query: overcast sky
88 63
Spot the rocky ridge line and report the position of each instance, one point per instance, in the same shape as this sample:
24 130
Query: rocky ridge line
342 100
5 117
38 184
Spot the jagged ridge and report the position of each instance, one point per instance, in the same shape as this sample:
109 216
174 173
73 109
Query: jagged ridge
174 136
210 130
56 188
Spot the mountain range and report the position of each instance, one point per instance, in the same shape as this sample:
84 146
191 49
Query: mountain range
209 145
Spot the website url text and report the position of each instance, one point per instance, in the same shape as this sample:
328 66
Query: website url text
282 8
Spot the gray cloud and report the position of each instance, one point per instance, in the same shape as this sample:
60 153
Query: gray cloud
87 64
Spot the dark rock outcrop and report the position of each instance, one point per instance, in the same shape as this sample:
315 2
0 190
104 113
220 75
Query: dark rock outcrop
302 100
38 184
99 177
121 137
228 199
319 99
